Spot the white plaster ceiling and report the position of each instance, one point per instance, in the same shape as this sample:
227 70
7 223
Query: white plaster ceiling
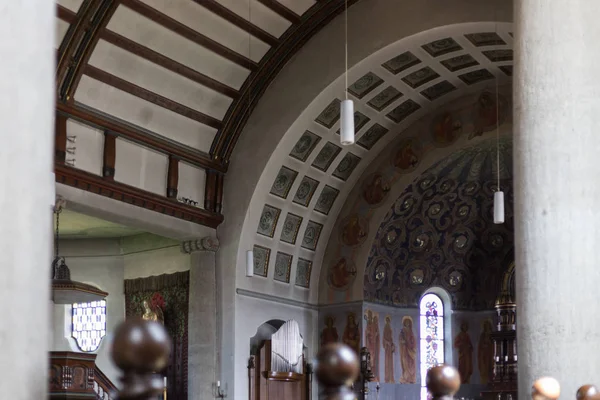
190 97
73 225
478 55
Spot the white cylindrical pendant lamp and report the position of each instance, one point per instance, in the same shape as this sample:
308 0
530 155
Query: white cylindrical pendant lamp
499 207
347 122
249 263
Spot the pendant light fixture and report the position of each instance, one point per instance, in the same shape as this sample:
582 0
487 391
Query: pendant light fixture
499 194
347 106
249 253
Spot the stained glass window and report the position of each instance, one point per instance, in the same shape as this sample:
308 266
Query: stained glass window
89 324
432 336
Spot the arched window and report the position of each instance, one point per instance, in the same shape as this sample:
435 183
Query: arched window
431 335
89 324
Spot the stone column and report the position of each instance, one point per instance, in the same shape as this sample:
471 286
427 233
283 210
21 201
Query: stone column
557 191
202 324
27 194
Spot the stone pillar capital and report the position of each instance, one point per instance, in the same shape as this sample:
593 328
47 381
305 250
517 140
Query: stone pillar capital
207 243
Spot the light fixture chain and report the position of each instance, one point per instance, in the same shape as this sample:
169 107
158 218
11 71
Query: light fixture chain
497 123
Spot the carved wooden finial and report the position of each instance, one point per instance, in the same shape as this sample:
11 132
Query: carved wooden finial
337 368
140 349
545 389
588 392
442 382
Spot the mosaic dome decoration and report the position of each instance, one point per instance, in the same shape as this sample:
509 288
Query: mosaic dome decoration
440 232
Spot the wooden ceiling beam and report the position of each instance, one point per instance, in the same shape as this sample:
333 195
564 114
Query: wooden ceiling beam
130 132
189 33
91 23
128 194
242 23
151 97
281 10
319 15
155 57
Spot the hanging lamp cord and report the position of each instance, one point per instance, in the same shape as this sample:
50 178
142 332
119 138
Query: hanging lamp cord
497 124
346 50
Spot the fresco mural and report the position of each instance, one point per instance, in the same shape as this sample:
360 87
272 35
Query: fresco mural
440 231
466 119
463 343
485 352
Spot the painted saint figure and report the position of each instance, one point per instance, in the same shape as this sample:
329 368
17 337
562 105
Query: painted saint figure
152 313
371 342
375 190
351 335
408 352
329 333
462 342
485 352
389 348
340 274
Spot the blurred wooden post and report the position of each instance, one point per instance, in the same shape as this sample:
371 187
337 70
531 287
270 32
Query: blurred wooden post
139 349
337 368
443 382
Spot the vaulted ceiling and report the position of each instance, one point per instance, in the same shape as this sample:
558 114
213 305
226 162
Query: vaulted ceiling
180 70
169 83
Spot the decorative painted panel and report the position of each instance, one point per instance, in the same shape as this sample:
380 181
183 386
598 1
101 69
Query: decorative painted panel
485 39
473 77
283 265
283 182
330 115
401 112
311 235
268 220
401 62
420 77
261 260
459 62
305 145
305 191
386 97
303 269
326 156
365 85
438 90
440 47
372 136
346 166
326 199
291 226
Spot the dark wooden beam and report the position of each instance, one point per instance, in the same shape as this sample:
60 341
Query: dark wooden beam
282 10
103 122
219 194
189 33
238 21
138 197
109 156
210 190
84 48
155 57
72 39
151 97
173 178
319 15
60 139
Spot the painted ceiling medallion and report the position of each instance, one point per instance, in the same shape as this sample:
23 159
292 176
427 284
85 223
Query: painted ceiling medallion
455 279
417 277
341 274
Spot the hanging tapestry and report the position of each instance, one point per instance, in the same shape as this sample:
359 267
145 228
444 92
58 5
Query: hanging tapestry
168 296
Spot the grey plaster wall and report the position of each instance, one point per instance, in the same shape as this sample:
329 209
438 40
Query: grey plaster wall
373 25
99 263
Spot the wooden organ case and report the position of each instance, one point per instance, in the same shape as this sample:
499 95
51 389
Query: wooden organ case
504 383
279 369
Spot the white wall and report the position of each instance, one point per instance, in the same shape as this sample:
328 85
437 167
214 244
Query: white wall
98 263
252 313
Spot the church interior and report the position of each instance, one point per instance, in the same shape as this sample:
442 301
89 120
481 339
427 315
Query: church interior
265 179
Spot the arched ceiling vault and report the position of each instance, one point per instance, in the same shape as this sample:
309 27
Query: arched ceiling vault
309 177
176 77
